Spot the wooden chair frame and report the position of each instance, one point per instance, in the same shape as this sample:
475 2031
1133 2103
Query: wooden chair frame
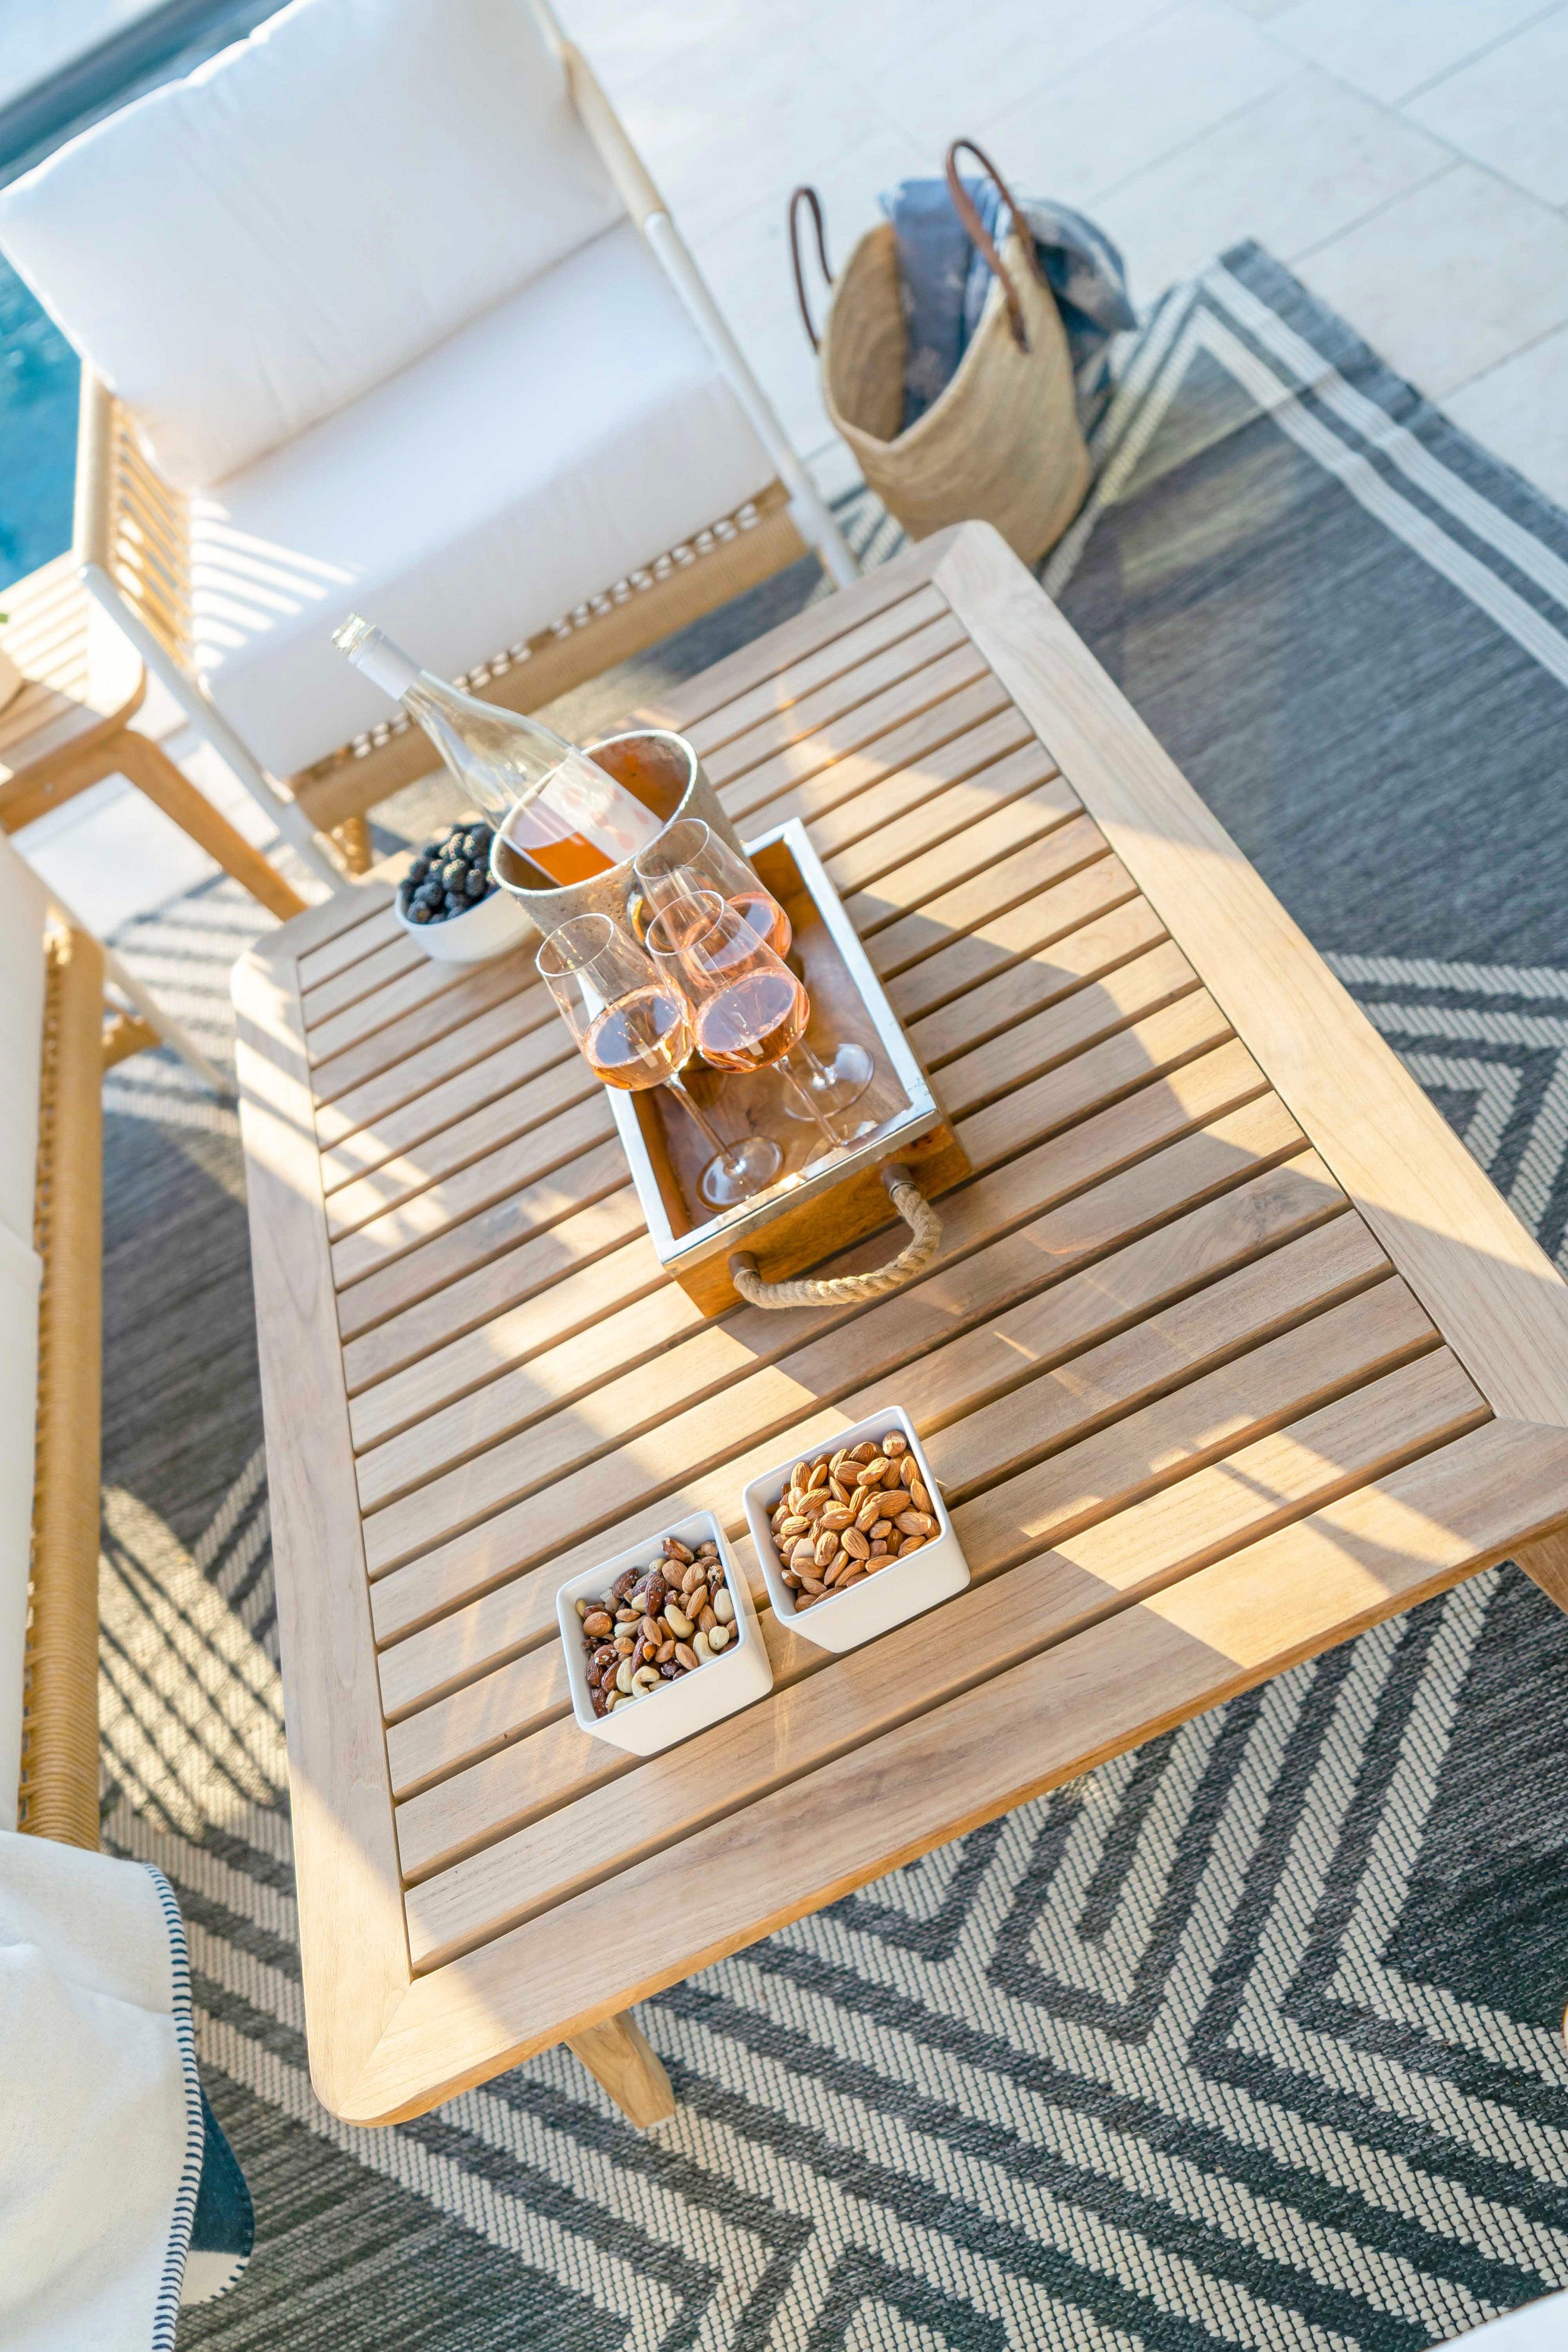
132 547
58 1792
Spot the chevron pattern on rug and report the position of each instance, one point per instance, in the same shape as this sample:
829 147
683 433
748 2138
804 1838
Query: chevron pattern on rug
1249 2039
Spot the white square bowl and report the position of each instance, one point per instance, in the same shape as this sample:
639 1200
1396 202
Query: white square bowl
721 1687
878 1602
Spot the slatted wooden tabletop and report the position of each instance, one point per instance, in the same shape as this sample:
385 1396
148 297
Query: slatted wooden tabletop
1229 1350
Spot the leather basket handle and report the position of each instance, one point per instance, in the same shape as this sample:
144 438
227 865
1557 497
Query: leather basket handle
981 236
809 196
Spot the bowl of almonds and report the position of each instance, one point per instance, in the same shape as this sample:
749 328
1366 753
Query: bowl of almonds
662 1639
854 1538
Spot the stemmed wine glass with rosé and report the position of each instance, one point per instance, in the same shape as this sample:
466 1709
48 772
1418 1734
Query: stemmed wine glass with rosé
633 1028
748 1010
689 857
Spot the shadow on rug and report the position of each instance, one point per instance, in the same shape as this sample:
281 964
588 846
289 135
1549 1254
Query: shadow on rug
1249 2038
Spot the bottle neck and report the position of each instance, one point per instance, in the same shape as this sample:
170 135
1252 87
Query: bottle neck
373 654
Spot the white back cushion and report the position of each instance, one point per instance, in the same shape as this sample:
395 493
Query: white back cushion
243 252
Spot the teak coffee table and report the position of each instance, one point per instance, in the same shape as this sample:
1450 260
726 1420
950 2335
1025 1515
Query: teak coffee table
1230 1351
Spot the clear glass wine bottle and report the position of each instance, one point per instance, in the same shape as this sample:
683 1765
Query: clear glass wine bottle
551 802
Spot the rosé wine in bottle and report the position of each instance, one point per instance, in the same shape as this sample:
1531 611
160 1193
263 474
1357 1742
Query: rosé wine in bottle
544 796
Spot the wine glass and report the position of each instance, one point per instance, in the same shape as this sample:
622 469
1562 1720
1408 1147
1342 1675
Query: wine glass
748 1010
689 857
634 1031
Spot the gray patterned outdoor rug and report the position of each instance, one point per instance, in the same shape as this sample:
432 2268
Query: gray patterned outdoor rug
1249 2039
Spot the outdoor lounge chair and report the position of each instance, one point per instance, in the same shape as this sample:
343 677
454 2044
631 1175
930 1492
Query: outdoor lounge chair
379 309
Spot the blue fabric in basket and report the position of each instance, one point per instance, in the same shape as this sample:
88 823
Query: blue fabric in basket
946 279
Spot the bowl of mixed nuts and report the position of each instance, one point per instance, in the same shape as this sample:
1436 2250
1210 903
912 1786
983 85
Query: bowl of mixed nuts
855 1538
662 1639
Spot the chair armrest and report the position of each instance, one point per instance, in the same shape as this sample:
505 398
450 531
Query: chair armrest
131 529
619 157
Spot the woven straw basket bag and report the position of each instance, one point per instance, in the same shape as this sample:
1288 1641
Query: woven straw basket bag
1001 443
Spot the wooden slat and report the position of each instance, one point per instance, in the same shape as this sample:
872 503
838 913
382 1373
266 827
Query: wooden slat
857 794
333 926
389 962
519 1111
821 667
318 964
1088 953
517 1215
965 962
995 888
423 1069
882 729
1196 1095
1501 1303
556 1275
858 854
1204 1421
1000 1621
713 1354
441 1105
1133 992
834 704
450 1010
567 1137
410 990
1008 825
714 1450
694 699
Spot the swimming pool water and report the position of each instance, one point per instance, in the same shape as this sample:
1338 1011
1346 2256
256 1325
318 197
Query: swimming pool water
38 379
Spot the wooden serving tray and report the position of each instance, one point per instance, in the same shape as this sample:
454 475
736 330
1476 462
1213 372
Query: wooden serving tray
822 1200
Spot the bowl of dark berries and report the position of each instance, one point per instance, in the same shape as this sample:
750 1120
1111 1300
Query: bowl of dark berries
662 1639
450 903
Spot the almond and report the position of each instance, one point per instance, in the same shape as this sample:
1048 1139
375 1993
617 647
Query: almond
855 1544
872 1473
838 1515
907 1470
895 1441
864 1452
919 1495
827 1547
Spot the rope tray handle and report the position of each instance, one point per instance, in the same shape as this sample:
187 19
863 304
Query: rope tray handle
850 1289
980 236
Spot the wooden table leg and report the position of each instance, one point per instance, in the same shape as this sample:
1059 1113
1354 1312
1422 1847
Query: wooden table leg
152 770
623 2062
1546 1560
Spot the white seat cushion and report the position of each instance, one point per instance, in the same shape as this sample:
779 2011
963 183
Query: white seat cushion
241 253
545 451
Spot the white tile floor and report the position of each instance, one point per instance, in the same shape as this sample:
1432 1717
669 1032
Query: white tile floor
1408 158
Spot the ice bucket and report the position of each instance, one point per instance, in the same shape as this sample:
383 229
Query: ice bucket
657 768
